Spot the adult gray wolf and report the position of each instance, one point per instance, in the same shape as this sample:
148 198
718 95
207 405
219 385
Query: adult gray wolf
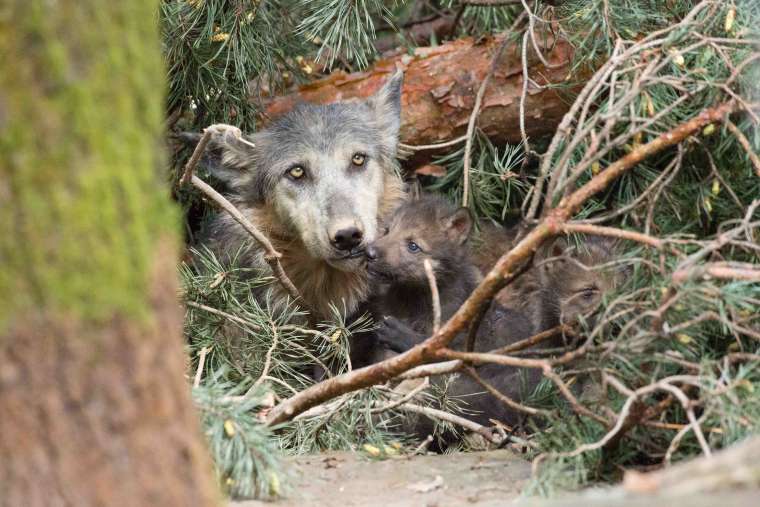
317 182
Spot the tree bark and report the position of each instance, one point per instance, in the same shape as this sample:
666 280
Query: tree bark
94 405
440 85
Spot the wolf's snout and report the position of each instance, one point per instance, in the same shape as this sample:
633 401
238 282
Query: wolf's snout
371 253
347 238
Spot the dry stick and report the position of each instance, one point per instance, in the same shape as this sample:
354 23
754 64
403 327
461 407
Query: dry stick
435 146
722 272
455 365
453 419
199 371
476 110
407 397
436 300
745 144
271 255
535 339
524 91
613 232
429 370
423 445
502 397
548 227
267 359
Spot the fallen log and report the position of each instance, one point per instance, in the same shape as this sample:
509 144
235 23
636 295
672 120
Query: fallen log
440 86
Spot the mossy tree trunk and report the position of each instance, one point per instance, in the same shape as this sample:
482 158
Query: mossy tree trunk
94 404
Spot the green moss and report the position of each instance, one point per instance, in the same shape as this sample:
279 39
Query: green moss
81 111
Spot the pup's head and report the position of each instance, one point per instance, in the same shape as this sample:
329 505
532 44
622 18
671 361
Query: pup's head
428 228
575 277
322 170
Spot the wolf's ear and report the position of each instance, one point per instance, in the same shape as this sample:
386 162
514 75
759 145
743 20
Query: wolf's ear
555 247
458 225
386 106
230 155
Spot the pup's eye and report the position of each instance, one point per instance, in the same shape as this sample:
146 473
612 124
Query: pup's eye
413 247
296 172
588 293
386 231
358 159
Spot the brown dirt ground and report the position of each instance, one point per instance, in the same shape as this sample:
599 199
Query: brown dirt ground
481 479
345 479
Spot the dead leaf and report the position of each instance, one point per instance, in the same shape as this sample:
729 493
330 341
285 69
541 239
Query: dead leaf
427 487
218 279
637 482
441 91
431 170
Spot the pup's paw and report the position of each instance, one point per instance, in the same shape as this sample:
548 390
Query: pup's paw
397 336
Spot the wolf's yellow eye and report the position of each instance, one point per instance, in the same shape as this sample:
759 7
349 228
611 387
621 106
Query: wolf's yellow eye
296 172
358 159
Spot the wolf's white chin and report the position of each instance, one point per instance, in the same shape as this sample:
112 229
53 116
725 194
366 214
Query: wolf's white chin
348 265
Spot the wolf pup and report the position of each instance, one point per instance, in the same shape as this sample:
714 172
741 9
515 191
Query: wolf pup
428 228
316 182
567 281
433 229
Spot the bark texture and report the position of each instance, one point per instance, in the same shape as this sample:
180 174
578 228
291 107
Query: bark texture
95 407
440 85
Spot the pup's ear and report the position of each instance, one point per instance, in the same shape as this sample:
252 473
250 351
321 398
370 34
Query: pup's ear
230 155
386 106
458 225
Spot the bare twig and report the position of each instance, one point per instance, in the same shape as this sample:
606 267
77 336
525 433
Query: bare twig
271 255
429 370
476 110
200 148
719 270
502 397
436 146
436 300
434 413
199 370
612 232
746 145
423 445
268 358
407 397
535 339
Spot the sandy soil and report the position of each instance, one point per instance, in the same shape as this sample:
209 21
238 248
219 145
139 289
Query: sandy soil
346 479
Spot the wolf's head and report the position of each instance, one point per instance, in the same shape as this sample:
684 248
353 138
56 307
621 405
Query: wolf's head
577 277
429 228
322 171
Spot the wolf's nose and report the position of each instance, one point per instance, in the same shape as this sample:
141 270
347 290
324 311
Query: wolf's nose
348 238
371 253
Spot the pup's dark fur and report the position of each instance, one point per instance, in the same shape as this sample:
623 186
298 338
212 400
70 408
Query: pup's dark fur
428 228
431 228
567 281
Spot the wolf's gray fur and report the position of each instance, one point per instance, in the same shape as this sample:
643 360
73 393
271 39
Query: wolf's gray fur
322 220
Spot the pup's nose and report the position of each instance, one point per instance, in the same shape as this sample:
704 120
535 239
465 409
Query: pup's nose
371 253
348 238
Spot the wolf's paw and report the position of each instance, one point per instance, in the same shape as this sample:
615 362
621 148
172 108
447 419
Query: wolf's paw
397 336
